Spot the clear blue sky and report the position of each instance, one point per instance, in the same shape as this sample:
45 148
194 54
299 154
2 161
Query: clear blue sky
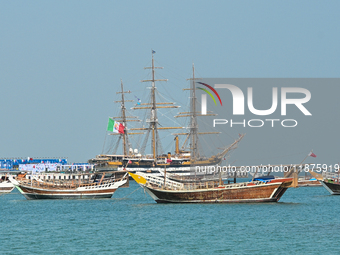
61 61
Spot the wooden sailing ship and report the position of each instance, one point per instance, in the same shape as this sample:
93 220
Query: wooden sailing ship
5 185
182 159
163 190
101 185
332 185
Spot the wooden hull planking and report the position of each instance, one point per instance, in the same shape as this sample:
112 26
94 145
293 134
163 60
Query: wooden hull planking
247 194
333 188
35 193
69 190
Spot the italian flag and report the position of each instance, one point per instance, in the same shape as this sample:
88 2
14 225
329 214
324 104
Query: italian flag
115 127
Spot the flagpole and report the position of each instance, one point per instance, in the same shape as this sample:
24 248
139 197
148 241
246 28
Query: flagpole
304 159
299 164
309 154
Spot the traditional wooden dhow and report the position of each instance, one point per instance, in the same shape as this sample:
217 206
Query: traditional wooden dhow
101 185
163 190
331 184
5 185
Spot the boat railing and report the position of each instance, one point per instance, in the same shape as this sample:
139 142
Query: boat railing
159 181
173 185
216 184
64 183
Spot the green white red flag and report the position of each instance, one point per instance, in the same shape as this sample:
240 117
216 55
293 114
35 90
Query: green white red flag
115 126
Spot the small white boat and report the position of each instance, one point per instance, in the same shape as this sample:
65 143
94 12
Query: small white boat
5 185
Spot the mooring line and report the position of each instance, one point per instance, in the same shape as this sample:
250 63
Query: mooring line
126 195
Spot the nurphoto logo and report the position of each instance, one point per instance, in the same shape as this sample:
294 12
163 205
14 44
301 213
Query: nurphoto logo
239 104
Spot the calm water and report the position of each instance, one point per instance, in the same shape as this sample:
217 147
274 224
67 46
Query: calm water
306 220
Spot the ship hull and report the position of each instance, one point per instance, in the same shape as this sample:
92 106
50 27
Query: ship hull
6 187
246 194
333 188
34 193
57 190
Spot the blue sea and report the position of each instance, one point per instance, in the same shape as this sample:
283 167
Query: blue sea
305 221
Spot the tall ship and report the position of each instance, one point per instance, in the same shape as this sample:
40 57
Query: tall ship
182 160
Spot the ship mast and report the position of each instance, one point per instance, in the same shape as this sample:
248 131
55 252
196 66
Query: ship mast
124 119
153 121
193 126
193 121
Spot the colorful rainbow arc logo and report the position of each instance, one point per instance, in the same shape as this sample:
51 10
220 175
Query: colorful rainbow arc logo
209 93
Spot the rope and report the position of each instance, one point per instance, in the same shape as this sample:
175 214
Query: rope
126 196
104 142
